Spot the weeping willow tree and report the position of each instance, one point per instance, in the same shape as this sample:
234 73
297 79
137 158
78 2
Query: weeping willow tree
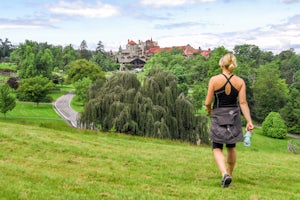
152 108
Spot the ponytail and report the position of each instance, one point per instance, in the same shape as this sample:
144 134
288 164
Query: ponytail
231 67
228 61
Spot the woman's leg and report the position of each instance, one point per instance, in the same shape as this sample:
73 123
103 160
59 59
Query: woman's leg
231 160
220 160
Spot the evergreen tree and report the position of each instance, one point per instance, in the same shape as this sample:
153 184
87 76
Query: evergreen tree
5 48
84 52
100 47
7 100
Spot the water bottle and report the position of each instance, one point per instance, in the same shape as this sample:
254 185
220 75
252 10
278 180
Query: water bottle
247 138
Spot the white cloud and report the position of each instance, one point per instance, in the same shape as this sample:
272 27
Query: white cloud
275 38
29 23
162 3
19 26
79 8
289 1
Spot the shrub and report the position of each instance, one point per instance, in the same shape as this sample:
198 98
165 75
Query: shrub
13 82
274 126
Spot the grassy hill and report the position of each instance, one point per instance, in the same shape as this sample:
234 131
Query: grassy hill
44 162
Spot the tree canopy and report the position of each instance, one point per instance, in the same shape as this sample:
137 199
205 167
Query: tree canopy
153 108
35 89
270 92
5 48
7 100
83 68
81 88
272 81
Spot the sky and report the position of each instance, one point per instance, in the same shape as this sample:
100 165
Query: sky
272 25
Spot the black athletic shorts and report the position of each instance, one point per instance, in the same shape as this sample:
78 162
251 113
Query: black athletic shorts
220 146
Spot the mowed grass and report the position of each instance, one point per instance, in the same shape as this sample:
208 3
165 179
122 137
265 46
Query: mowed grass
61 90
10 66
38 162
28 111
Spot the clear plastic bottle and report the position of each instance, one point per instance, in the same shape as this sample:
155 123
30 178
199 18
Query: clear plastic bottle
247 138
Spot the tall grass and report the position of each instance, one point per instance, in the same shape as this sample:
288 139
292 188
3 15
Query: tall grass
41 162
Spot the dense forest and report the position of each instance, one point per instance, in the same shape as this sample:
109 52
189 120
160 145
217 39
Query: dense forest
166 99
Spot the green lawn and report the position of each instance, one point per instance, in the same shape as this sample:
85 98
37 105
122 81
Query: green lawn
10 66
76 105
27 111
38 162
61 90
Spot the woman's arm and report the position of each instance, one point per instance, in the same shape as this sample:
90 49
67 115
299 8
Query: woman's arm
209 96
244 106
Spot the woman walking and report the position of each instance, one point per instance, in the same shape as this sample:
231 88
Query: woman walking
229 94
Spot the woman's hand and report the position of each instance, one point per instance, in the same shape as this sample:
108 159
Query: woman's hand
208 109
249 126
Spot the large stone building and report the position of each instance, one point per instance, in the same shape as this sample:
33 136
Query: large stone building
136 55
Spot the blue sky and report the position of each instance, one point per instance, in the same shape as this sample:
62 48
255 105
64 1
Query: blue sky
272 25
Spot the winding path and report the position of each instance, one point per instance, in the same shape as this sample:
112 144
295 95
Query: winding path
63 108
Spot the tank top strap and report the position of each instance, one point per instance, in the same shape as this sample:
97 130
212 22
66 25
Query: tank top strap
228 79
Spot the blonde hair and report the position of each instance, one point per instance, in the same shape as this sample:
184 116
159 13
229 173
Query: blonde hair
228 61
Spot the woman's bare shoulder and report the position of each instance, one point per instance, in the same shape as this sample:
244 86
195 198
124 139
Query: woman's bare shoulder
238 82
239 79
216 77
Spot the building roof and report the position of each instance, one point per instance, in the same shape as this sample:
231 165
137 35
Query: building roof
188 50
205 53
131 42
128 59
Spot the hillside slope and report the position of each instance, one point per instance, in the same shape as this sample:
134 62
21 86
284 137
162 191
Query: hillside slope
43 163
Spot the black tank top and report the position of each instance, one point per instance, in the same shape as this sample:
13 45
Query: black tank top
224 100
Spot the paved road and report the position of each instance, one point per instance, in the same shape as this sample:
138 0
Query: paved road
293 136
63 108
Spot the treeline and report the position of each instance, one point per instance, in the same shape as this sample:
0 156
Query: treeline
44 58
150 105
273 81
41 66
